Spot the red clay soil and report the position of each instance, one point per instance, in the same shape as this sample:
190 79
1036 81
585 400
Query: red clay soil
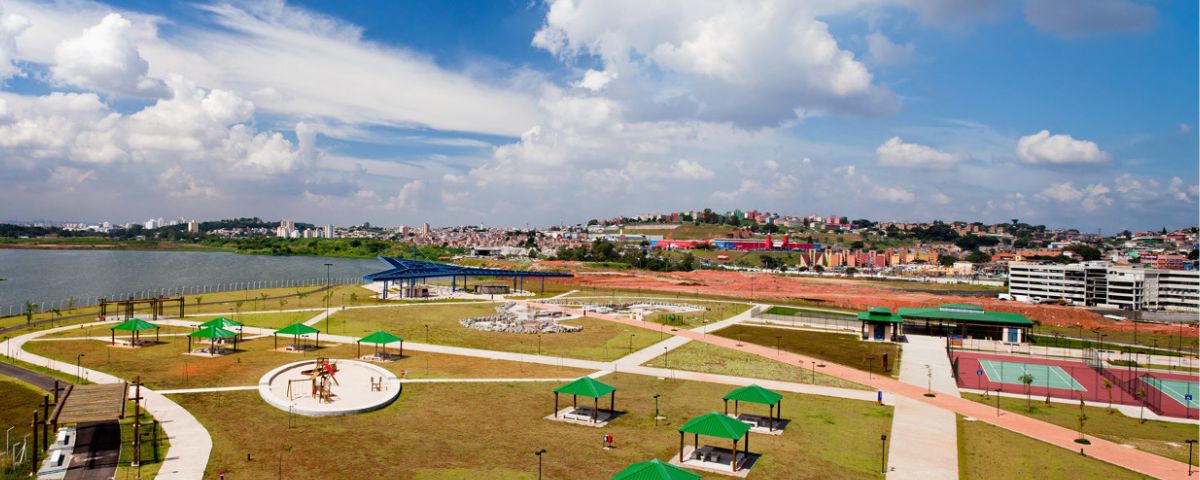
843 293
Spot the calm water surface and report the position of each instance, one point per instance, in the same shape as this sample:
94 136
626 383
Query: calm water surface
54 275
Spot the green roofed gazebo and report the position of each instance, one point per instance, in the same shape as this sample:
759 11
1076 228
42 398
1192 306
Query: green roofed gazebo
212 333
380 338
135 327
880 324
757 394
296 330
221 322
719 426
655 470
588 387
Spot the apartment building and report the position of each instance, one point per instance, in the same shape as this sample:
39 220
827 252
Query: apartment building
1105 285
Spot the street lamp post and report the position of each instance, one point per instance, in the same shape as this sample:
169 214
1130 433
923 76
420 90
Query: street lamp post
426 333
814 370
539 453
883 453
1190 443
656 408
631 342
998 390
778 338
79 367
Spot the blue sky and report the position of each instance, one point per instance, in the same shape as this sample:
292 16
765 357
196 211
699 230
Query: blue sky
1074 113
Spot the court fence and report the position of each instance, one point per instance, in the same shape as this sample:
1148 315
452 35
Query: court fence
831 321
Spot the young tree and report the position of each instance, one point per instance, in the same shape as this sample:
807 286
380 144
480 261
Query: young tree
1139 394
1108 386
29 306
1027 379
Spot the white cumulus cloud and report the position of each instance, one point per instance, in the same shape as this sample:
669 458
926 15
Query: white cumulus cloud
1090 198
104 57
896 153
888 53
11 25
1042 148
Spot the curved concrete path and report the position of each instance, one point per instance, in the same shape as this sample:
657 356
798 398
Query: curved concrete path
187 456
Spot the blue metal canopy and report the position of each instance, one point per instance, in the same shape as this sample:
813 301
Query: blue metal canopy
403 269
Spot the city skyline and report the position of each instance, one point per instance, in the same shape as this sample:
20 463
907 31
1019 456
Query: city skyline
1069 114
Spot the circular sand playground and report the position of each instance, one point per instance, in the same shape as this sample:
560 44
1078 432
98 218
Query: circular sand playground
321 388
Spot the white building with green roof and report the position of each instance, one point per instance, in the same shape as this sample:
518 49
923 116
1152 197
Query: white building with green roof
966 321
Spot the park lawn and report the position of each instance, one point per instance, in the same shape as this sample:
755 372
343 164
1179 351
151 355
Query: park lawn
987 451
1160 438
590 291
152 454
164 366
105 330
275 320
434 431
600 339
793 311
295 297
714 312
18 400
1186 338
706 358
840 348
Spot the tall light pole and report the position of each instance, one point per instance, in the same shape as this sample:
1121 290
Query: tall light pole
327 265
883 453
1190 443
631 342
656 410
778 338
539 453
79 367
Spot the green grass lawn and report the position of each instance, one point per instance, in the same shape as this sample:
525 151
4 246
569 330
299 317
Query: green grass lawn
838 348
105 330
714 312
273 320
1188 341
986 451
18 400
433 431
152 452
600 339
792 311
164 366
1159 438
705 358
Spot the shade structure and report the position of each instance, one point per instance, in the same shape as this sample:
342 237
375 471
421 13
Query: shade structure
134 326
587 387
654 470
296 330
212 333
381 338
716 425
720 426
221 322
756 394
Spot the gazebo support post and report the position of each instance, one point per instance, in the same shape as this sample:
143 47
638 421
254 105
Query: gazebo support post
189 344
746 446
735 408
402 348
556 406
680 447
726 407
612 404
771 416
114 335
156 334
733 463
595 408
779 412
358 349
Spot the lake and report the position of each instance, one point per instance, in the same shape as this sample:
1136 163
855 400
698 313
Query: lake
54 275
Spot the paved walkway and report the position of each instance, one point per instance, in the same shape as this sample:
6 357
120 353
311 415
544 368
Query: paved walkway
42 381
183 459
1111 452
924 437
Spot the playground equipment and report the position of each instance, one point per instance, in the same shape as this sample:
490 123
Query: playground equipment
322 377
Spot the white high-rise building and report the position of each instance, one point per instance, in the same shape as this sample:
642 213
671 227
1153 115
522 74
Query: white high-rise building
287 229
193 226
151 224
1105 285
329 232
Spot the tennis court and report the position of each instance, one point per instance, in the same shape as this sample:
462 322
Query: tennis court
1045 376
1178 390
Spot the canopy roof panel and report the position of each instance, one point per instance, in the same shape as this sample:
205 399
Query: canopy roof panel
221 322
212 331
979 316
586 387
655 470
405 269
296 329
134 325
380 338
879 314
716 425
754 394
